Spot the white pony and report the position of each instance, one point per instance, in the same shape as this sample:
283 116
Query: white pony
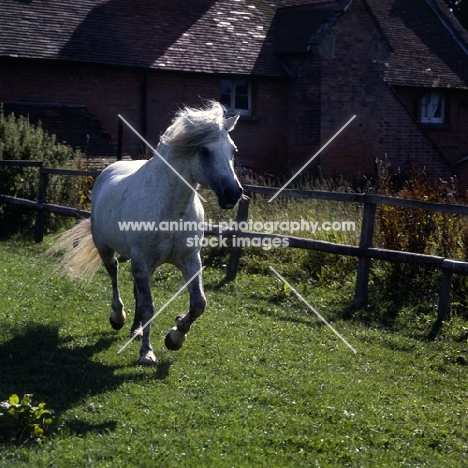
197 146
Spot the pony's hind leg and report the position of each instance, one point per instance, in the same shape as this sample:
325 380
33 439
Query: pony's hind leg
117 317
176 336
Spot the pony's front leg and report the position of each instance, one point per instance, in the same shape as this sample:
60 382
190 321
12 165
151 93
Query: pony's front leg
144 310
136 329
176 336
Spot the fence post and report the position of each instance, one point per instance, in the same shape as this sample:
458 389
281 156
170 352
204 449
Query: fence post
367 234
443 306
40 217
242 214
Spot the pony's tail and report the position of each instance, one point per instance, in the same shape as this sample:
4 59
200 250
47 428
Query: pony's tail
81 257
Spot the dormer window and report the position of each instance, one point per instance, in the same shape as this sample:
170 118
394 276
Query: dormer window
433 108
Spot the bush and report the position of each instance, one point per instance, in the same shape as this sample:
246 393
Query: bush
23 421
420 231
20 140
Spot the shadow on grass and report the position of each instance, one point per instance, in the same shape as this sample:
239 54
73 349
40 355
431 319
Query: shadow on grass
375 312
36 360
381 312
162 371
386 316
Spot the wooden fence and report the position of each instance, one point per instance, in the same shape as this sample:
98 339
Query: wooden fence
364 252
40 205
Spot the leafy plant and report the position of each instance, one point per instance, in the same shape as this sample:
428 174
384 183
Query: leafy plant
22 420
22 141
419 231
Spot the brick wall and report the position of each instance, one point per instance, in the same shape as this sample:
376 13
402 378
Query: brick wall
452 136
109 91
105 91
304 110
260 138
351 82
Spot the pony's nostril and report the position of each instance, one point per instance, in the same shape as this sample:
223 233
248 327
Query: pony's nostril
232 193
230 196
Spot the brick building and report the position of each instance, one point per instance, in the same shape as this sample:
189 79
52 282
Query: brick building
296 70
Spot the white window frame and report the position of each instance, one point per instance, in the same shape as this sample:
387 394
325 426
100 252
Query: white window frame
232 106
433 108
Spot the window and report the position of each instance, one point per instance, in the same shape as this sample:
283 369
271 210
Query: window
236 96
433 108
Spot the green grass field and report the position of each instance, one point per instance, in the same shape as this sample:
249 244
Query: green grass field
260 381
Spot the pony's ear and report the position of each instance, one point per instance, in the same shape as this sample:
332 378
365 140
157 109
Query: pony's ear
230 122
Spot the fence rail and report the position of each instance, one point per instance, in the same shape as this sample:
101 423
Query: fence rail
40 205
360 198
364 252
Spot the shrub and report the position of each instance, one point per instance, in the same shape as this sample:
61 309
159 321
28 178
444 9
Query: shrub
20 140
24 421
415 230
420 231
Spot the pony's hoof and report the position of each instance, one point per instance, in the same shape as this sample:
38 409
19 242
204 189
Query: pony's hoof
117 325
174 339
148 358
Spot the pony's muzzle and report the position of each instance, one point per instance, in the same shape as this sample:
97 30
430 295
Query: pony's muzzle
229 196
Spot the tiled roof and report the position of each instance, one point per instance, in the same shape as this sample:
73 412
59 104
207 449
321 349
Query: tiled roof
203 35
228 36
425 51
71 124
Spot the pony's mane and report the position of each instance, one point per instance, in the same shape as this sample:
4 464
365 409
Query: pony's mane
193 127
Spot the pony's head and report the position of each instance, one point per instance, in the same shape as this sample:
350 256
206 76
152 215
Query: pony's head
201 135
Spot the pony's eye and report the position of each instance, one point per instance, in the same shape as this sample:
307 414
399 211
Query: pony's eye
204 151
